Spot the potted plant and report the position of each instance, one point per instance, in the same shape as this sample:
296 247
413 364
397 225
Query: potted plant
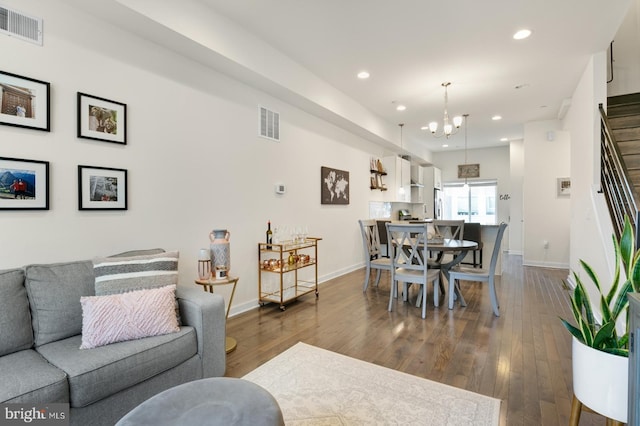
600 353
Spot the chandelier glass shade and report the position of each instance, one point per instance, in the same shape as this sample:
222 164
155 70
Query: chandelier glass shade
449 127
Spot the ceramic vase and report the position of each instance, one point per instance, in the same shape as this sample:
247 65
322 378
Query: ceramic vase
220 249
600 380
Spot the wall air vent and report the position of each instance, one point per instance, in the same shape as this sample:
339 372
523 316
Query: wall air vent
269 124
19 25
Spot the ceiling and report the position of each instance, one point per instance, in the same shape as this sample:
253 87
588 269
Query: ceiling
410 47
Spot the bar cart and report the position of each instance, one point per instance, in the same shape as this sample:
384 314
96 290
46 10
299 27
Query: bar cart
287 270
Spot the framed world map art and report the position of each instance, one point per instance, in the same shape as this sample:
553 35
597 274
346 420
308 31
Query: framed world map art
334 186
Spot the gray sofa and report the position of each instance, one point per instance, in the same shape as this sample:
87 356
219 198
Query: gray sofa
40 336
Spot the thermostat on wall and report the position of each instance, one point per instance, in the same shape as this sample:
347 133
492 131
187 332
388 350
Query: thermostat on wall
280 188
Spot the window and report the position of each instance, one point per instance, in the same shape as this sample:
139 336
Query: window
478 204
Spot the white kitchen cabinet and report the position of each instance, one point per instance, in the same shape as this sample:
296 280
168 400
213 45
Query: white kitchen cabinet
398 179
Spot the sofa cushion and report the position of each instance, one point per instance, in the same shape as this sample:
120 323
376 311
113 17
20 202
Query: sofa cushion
128 316
16 333
54 294
120 274
100 372
28 378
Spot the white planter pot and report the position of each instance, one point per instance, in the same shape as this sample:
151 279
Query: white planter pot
600 381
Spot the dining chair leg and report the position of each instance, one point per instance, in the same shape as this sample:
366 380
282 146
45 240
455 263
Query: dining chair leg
452 286
436 295
405 292
494 297
424 297
394 290
366 278
378 277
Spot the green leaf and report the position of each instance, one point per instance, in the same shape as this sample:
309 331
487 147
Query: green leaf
616 274
622 301
627 245
604 334
592 274
576 332
635 273
583 302
617 351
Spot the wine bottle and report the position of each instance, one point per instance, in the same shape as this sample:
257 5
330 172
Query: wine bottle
269 235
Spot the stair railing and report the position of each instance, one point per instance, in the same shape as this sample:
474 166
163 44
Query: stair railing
620 194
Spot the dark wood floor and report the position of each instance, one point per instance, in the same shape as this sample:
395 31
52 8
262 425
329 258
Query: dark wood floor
522 358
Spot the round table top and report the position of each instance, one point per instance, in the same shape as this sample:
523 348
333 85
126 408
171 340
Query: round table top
213 281
452 245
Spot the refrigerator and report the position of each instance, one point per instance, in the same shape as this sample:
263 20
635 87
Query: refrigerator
438 203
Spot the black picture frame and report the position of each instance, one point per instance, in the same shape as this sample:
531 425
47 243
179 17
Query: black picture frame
25 102
334 186
102 188
102 119
24 184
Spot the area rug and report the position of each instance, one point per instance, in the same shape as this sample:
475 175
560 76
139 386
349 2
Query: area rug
314 386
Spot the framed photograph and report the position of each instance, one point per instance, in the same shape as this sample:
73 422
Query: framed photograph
334 186
24 102
468 171
101 119
24 184
563 187
102 188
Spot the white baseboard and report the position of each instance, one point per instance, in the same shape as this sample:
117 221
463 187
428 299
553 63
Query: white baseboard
253 304
552 265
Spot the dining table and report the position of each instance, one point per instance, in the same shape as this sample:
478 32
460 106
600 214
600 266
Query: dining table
458 249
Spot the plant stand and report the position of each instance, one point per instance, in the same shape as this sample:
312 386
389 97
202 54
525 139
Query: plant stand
597 384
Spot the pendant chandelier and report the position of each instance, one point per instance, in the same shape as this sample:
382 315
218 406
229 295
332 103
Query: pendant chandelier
448 128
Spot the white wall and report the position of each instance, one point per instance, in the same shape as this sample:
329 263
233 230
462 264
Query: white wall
626 45
590 230
494 164
516 231
546 215
194 159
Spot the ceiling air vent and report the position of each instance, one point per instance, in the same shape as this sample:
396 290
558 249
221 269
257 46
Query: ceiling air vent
19 25
269 124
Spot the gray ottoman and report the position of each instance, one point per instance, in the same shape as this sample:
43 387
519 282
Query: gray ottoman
214 401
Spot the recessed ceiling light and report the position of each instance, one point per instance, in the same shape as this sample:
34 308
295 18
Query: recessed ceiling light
496 117
424 128
363 75
521 34
504 140
445 145
401 107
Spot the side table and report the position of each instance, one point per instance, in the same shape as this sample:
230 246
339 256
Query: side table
207 285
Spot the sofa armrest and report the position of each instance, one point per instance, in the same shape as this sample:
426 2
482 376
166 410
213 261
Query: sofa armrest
206 313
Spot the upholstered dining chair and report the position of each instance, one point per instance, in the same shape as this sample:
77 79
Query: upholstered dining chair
473 232
462 273
371 243
408 250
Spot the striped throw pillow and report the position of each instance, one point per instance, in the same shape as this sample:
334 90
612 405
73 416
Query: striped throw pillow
121 274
